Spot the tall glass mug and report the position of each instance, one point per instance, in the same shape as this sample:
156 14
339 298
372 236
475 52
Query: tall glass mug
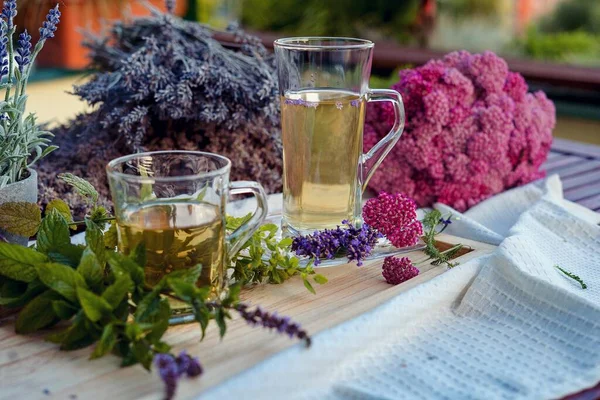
174 202
324 89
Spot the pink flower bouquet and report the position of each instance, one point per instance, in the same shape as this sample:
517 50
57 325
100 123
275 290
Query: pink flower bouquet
472 131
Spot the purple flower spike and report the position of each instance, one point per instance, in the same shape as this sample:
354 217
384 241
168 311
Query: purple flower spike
356 243
49 26
3 52
283 325
169 373
188 365
9 12
23 56
171 6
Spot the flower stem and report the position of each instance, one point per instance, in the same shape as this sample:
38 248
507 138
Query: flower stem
11 55
108 219
572 276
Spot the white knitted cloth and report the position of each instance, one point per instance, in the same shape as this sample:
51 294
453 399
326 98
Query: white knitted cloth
505 326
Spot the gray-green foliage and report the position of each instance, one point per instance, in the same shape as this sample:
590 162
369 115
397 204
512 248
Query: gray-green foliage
22 140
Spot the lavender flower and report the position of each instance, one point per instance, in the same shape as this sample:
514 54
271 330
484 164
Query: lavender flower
446 222
272 321
168 371
360 242
188 365
49 26
171 6
3 51
9 12
23 56
356 243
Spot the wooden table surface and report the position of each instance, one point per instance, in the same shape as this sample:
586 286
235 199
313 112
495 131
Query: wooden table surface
31 368
578 165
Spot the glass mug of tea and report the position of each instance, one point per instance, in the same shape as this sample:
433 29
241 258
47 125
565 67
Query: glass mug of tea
324 91
174 202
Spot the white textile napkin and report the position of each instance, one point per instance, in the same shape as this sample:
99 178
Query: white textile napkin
505 326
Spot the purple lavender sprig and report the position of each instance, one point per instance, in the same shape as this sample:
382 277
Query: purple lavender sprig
360 242
272 321
171 369
4 57
171 6
50 24
9 12
168 371
23 56
356 243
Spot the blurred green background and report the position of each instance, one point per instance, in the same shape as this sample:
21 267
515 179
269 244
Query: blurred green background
551 30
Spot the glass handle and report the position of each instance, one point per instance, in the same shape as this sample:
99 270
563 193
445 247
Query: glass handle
238 237
373 158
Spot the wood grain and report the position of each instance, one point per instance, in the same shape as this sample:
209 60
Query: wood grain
28 365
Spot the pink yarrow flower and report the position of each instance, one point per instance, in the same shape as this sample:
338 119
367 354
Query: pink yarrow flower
472 131
397 270
395 216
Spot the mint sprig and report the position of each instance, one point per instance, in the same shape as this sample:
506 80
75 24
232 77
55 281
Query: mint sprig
265 259
431 225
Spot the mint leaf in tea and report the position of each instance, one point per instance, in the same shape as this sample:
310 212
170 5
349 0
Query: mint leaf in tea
322 143
177 235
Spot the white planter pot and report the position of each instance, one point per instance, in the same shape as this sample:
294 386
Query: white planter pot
26 191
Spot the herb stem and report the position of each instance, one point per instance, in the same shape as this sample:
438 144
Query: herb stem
572 276
108 219
10 64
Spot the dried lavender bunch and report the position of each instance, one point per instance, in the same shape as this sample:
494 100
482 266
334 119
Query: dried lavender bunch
163 68
165 83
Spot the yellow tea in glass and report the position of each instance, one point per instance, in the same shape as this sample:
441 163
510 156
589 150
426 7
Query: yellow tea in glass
322 132
174 203
176 235
324 89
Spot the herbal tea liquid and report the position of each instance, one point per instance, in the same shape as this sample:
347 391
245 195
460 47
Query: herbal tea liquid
177 236
322 140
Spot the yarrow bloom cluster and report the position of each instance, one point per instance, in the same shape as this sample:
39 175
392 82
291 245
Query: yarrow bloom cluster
473 131
398 270
272 321
172 368
395 216
356 243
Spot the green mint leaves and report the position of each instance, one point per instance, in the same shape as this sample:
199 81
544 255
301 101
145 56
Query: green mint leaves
100 294
264 258
81 186
431 221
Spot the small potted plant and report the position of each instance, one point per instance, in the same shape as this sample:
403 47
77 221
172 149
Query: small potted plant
22 140
81 16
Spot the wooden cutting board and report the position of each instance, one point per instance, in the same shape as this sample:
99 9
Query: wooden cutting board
31 368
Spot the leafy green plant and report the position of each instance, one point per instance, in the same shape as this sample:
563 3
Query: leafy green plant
264 258
100 295
22 141
431 223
